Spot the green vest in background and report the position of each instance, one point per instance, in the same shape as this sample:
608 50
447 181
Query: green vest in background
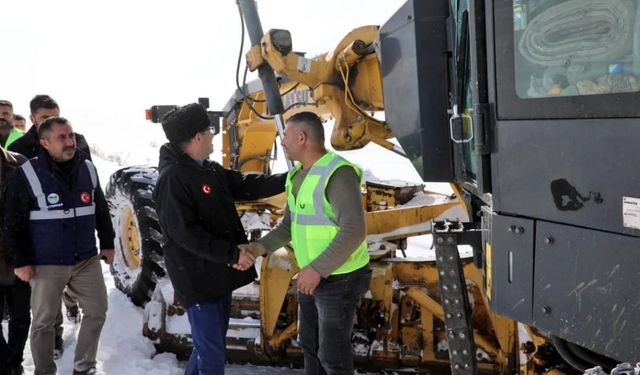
13 135
313 221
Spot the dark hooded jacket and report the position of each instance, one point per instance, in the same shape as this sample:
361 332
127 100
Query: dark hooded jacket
201 227
29 144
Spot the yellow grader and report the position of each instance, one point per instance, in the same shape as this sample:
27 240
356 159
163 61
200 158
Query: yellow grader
437 72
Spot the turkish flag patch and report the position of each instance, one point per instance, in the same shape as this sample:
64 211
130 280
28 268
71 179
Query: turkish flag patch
206 188
85 197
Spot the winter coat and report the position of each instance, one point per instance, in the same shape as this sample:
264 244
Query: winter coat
62 241
201 227
9 161
29 144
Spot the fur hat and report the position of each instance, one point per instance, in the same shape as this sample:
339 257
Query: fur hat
183 123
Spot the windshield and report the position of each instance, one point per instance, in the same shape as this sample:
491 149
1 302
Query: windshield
576 47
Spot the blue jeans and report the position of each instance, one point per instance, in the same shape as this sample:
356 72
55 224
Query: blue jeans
326 321
209 323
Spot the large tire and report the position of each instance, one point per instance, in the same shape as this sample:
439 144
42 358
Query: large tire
138 261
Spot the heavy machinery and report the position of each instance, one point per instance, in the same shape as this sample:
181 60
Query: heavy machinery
529 108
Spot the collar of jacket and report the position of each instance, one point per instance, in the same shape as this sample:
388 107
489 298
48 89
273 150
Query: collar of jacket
171 154
56 168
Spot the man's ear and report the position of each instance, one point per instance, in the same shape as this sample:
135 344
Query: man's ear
302 137
44 143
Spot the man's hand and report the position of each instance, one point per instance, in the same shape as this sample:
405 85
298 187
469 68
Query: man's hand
245 260
107 255
24 273
255 248
308 280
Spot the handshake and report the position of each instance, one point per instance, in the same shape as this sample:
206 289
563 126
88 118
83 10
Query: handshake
248 254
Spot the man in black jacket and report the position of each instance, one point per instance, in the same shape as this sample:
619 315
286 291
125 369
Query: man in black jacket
53 207
43 107
195 203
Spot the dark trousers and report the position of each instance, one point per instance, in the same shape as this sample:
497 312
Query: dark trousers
16 299
209 323
326 321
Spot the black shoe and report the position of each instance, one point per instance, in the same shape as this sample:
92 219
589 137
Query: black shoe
58 348
91 371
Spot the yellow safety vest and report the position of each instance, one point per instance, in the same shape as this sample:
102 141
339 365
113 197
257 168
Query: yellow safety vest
313 222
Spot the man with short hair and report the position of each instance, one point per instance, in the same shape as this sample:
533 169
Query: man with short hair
7 132
325 222
19 122
19 126
43 107
195 203
54 205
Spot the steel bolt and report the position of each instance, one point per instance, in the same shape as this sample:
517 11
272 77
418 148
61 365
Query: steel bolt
546 309
440 240
548 240
450 240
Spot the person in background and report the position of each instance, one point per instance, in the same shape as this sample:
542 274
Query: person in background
325 223
43 107
195 204
19 126
20 123
54 205
8 133
14 293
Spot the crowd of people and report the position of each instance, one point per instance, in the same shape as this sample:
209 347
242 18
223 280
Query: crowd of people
53 205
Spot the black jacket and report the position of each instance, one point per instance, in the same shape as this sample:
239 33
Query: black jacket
29 144
9 161
201 227
19 203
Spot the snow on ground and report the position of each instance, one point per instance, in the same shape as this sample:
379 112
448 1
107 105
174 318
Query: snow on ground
124 351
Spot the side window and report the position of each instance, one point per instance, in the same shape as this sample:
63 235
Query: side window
468 148
576 47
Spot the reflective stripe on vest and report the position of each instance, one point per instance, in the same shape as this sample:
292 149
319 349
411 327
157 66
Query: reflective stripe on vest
43 213
314 227
319 218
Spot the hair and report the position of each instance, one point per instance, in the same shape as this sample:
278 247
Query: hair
6 103
42 101
19 117
311 124
47 125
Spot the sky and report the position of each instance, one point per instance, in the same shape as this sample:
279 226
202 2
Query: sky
106 62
